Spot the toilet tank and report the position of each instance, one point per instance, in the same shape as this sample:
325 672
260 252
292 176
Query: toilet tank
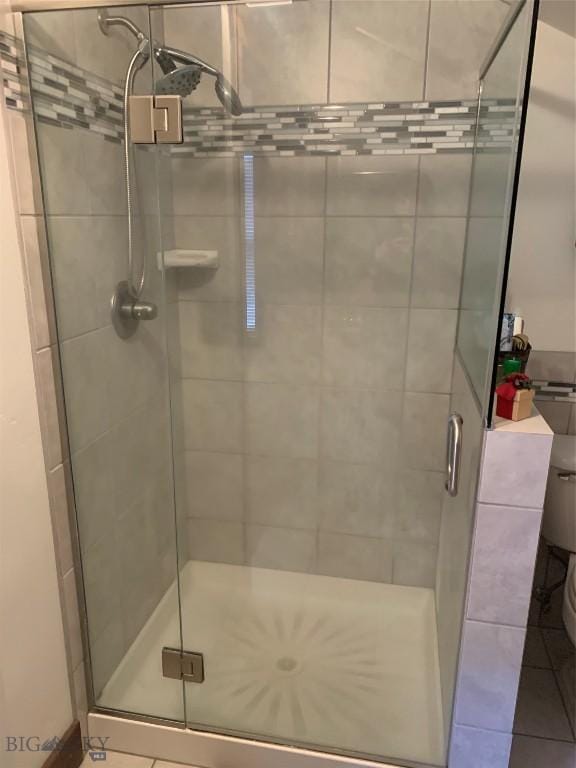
559 524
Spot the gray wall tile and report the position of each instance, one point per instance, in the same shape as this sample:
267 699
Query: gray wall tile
371 186
360 426
285 346
364 347
284 186
430 350
505 543
283 56
459 38
444 185
62 160
419 496
94 470
438 257
205 187
515 469
215 485
282 492
414 563
213 415
356 499
475 748
288 259
285 549
424 430
354 557
87 251
368 42
211 233
211 340
281 420
217 541
368 261
552 366
490 662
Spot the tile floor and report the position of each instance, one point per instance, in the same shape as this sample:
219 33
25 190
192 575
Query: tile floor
123 760
545 723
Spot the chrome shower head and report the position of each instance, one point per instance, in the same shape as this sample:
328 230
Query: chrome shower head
182 71
182 74
180 81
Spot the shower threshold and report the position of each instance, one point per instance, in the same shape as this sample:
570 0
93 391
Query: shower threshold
317 661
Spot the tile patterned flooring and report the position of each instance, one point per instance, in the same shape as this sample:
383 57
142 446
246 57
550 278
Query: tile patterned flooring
124 760
545 723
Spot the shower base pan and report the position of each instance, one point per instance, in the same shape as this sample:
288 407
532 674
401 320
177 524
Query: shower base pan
320 662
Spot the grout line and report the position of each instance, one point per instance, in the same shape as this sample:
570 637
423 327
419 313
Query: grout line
564 705
320 457
496 624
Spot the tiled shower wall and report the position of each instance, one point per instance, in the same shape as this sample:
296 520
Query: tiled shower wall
327 419
315 440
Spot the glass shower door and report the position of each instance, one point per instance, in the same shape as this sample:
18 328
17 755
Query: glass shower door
115 386
313 226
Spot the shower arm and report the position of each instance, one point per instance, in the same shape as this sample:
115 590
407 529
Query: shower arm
187 58
105 22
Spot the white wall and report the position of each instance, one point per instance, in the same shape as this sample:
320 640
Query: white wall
34 689
542 278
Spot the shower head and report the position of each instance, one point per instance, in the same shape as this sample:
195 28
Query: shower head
182 71
180 81
184 79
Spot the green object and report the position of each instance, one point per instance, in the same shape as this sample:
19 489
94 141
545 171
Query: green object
511 365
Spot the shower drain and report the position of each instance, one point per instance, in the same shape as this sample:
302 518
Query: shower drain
286 664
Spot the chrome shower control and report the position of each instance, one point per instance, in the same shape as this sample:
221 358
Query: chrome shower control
143 310
127 311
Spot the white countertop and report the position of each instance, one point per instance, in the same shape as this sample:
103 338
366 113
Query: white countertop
533 425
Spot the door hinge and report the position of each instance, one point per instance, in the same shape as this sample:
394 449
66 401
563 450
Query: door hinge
155 119
183 665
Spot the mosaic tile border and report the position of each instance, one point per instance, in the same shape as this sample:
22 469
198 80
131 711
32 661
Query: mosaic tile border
69 97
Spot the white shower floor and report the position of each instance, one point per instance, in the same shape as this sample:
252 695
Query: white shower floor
313 660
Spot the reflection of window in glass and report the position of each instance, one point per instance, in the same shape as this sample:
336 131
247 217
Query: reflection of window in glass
249 250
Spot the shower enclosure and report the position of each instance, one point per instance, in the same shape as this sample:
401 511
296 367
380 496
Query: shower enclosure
267 546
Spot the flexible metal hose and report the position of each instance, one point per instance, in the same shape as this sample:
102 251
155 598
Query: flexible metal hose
136 62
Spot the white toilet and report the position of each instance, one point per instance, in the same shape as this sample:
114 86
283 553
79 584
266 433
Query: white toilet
559 524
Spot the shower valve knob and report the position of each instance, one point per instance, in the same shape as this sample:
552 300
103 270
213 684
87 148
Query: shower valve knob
144 310
127 310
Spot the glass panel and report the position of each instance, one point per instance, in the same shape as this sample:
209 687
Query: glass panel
491 191
494 166
317 218
116 389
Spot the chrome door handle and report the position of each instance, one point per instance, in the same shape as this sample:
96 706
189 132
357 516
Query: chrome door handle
453 453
